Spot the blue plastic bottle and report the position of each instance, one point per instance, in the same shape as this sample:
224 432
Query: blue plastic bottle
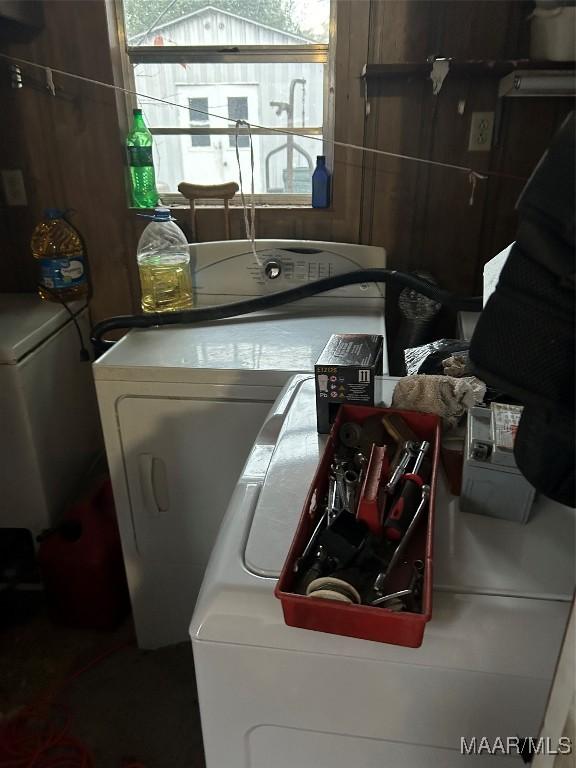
321 184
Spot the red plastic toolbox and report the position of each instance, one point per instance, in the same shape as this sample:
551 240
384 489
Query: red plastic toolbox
363 621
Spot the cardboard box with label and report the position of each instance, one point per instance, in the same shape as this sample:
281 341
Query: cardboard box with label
345 373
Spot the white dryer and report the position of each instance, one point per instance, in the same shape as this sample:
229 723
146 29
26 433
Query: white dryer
181 407
273 696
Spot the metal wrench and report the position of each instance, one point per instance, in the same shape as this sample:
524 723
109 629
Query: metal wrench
381 578
392 596
334 504
311 541
351 480
409 453
422 451
339 473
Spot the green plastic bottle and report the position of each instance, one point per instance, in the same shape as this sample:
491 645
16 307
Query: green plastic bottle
142 179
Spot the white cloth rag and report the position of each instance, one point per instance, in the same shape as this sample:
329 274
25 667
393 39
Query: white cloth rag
445 396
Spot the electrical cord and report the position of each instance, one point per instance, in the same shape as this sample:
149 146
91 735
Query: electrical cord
84 354
34 738
220 312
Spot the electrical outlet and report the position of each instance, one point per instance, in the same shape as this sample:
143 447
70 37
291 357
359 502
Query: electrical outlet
481 130
14 189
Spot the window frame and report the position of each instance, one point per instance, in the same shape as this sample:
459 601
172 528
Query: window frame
318 53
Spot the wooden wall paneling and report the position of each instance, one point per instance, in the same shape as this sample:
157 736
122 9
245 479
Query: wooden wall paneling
70 145
390 185
353 22
17 271
475 30
415 257
402 30
399 31
517 44
450 228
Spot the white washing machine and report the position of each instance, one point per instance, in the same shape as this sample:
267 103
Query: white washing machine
273 696
181 408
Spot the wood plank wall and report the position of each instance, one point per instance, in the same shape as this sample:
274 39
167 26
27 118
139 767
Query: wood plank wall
70 151
422 214
70 148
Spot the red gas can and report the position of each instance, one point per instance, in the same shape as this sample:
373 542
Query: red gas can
82 566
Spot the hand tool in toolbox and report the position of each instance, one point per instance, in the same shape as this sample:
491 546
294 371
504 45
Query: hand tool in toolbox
370 507
399 432
347 559
381 578
405 505
343 575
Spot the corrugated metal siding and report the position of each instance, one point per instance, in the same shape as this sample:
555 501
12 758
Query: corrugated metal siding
214 28
272 81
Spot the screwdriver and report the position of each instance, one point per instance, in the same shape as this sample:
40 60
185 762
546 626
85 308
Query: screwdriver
405 506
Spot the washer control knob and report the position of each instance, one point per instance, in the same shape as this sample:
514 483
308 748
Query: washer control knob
273 269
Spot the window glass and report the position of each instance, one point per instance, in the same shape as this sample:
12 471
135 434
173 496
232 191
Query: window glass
175 160
238 110
226 22
276 95
197 108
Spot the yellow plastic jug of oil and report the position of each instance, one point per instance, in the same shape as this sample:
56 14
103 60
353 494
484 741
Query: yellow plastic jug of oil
164 265
59 250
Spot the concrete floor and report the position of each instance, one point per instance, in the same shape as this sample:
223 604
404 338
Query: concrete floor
132 704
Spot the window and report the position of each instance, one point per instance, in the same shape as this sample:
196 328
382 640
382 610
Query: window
263 61
238 110
198 108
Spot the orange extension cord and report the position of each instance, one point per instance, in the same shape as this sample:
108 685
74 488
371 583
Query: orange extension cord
34 738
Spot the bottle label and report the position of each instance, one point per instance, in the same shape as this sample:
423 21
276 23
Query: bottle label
139 157
62 273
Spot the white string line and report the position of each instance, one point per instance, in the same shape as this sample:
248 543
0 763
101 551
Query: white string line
472 174
250 227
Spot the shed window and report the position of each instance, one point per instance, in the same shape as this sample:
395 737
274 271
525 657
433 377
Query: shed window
198 108
238 110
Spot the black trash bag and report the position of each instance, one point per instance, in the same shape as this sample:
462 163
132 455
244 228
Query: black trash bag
524 339
428 358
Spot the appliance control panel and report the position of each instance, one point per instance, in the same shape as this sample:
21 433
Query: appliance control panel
230 268
290 267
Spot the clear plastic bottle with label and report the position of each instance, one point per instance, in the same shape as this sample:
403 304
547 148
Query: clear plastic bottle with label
59 250
164 265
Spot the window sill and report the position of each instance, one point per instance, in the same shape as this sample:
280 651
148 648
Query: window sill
259 207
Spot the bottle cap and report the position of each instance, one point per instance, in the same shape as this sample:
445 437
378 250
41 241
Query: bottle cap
53 213
320 158
161 213
136 111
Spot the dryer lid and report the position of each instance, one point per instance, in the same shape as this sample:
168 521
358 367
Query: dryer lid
290 472
473 553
